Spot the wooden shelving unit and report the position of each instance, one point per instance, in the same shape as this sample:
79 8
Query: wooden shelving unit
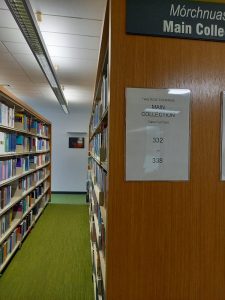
98 162
25 172
163 240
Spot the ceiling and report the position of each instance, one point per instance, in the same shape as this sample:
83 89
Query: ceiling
71 30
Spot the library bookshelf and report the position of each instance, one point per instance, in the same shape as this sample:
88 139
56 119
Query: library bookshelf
98 169
163 240
25 172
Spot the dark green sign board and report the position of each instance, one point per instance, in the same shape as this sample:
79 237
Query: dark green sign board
181 19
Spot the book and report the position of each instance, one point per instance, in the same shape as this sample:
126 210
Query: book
19 121
2 142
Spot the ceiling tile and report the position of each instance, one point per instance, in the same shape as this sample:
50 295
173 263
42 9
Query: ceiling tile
73 53
79 8
70 25
3 48
68 40
71 30
77 94
11 35
3 5
21 48
31 68
6 19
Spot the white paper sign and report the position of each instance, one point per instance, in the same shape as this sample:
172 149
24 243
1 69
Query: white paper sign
223 138
157 134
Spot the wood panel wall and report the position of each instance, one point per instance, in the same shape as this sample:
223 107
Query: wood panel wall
166 240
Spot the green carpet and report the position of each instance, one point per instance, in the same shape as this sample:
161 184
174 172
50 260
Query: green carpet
68 199
54 262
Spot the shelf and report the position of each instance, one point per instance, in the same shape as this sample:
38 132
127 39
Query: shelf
103 164
3 265
23 238
99 195
103 267
98 278
95 284
17 199
13 108
96 260
98 233
16 222
103 213
40 212
11 179
14 129
35 220
96 158
9 154
99 125
97 129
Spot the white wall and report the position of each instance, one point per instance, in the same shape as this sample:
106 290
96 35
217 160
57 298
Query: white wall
69 166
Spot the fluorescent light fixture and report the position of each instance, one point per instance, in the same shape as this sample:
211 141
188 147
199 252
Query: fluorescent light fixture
25 18
64 107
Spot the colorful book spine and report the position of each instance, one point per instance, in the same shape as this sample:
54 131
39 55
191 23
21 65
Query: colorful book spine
99 174
9 245
104 93
7 142
6 115
7 169
5 196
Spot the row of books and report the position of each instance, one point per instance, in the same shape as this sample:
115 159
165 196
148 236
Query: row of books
96 117
96 269
38 160
97 236
95 145
104 93
100 234
41 204
5 196
8 192
16 212
102 238
40 128
16 236
26 182
101 104
13 142
8 246
22 121
99 175
6 115
27 123
7 168
6 221
21 185
104 143
19 165
99 144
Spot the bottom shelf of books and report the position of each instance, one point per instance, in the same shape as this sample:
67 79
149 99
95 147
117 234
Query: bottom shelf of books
18 221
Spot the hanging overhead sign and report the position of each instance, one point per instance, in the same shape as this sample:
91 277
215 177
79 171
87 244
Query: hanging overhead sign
181 19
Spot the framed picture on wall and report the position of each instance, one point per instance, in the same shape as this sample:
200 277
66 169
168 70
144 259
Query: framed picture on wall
76 142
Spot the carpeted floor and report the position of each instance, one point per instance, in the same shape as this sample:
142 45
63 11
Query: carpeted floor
68 199
54 262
